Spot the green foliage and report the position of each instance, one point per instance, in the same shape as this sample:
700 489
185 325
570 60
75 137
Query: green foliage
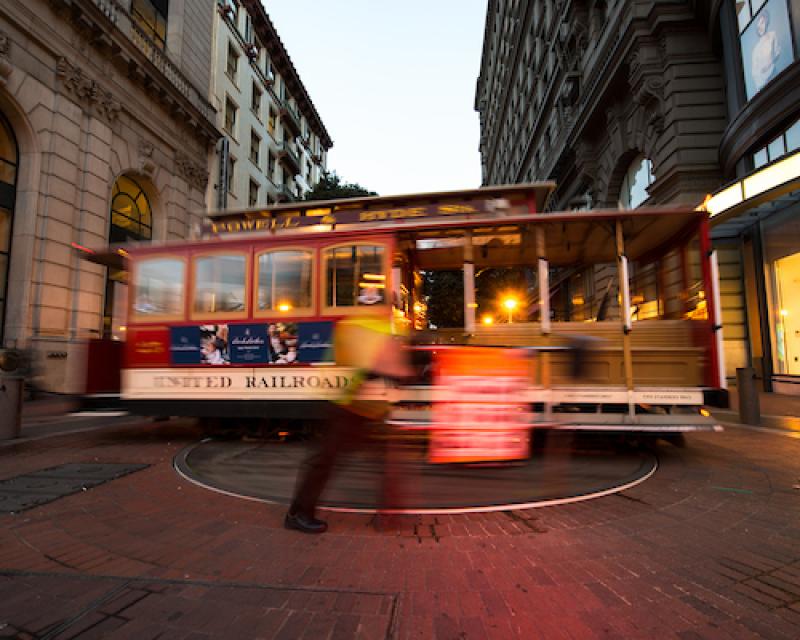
331 187
444 294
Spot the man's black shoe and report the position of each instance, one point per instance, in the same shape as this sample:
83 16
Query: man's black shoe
304 523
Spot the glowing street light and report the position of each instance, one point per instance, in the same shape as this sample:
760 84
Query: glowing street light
487 319
510 304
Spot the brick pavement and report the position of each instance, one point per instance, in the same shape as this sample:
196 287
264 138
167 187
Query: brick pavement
707 548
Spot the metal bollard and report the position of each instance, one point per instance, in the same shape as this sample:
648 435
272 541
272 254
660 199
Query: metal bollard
11 384
749 407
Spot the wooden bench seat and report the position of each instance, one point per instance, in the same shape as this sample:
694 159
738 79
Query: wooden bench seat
664 352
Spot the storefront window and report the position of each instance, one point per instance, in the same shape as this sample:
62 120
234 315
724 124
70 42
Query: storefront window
787 142
765 39
284 280
160 283
781 250
219 283
355 276
793 137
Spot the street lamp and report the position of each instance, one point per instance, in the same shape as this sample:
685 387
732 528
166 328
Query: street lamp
487 319
510 304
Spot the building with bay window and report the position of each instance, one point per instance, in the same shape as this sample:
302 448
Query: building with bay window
106 134
646 102
275 144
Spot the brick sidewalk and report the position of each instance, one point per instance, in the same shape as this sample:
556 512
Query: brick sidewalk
778 411
706 548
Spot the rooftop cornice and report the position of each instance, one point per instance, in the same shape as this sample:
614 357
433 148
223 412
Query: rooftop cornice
281 60
109 28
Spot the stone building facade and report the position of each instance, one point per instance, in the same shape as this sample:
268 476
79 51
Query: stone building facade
106 133
631 102
581 91
275 146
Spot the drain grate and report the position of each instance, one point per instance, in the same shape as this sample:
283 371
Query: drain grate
39 487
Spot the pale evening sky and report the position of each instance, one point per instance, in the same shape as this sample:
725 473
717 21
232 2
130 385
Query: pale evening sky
394 84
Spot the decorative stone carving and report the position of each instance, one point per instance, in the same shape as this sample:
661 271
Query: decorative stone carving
193 172
76 82
146 163
646 79
146 148
5 50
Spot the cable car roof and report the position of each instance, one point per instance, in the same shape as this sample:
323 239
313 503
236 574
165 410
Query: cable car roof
537 193
502 221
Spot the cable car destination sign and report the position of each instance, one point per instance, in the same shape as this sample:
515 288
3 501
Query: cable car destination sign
328 218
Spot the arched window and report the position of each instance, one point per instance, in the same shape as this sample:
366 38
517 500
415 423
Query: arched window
9 158
634 185
131 220
131 217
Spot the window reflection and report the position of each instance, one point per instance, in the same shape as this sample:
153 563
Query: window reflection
284 280
219 283
130 212
355 276
159 287
151 17
634 186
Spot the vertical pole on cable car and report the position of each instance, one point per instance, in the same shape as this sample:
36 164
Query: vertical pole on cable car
714 306
469 284
625 315
544 320
397 293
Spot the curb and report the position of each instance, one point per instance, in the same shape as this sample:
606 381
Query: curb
787 423
70 424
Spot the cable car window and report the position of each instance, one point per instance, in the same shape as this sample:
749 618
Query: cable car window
219 283
159 286
355 276
284 280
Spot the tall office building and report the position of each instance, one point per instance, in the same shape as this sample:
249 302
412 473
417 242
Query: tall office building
106 132
275 145
631 102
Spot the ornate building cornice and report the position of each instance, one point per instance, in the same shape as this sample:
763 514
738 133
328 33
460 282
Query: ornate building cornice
77 83
108 27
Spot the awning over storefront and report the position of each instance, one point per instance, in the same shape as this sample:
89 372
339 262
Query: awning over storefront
763 193
732 226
